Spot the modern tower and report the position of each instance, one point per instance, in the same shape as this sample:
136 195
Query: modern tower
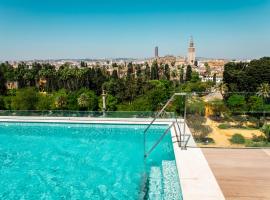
191 52
156 52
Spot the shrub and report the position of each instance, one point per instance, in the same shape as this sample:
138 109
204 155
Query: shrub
266 130
217 107
208 140
195 106
240 119
198 129
257 123
259 138
237 139
250 143
224 126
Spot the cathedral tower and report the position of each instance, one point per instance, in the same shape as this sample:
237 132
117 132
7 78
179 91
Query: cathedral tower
191 52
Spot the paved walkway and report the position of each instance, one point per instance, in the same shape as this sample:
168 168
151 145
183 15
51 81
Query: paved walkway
242 174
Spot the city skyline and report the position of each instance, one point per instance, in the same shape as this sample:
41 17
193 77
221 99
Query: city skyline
113 29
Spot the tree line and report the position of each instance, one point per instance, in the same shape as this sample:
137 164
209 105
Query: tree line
142 87
138 88
246 85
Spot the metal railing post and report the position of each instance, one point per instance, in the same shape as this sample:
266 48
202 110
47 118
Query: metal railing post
144 145
185 115
179 139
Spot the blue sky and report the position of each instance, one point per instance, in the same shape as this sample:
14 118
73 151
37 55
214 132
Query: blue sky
121 28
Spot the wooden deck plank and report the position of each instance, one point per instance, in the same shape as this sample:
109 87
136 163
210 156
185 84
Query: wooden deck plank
243 174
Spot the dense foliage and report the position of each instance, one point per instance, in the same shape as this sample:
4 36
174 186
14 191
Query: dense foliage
139 88
247 77
266 131
246 87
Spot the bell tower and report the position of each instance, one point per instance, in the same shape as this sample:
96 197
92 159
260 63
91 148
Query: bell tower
191 52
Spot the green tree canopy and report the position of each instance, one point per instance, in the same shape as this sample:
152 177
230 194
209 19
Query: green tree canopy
25 99
45 102
181 75
154 71
255 103
158 95
237 102
114 74
3 88
87 100
247 77
111 103
188 73
147 72
195 77
167 72
2 103
60 100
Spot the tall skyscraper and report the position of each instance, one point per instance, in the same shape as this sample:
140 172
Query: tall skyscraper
156 52
191 52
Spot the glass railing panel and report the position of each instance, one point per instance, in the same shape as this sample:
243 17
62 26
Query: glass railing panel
237 120
99 114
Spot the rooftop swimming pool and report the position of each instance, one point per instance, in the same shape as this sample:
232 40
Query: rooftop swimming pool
85 161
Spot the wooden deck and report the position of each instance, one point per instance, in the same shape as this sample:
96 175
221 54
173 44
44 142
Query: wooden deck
241 174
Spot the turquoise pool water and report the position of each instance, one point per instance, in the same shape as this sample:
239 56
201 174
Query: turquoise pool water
76 161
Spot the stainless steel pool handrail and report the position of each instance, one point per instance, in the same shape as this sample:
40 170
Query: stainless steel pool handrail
179 139
164 107
159 113
184 147
158 141
182 139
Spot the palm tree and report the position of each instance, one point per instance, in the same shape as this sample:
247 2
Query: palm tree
83 100
61 102
223 88
174 73
264 90
49 75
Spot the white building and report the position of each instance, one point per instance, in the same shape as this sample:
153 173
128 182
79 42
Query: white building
211 79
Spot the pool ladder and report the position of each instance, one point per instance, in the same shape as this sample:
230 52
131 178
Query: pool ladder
181 138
